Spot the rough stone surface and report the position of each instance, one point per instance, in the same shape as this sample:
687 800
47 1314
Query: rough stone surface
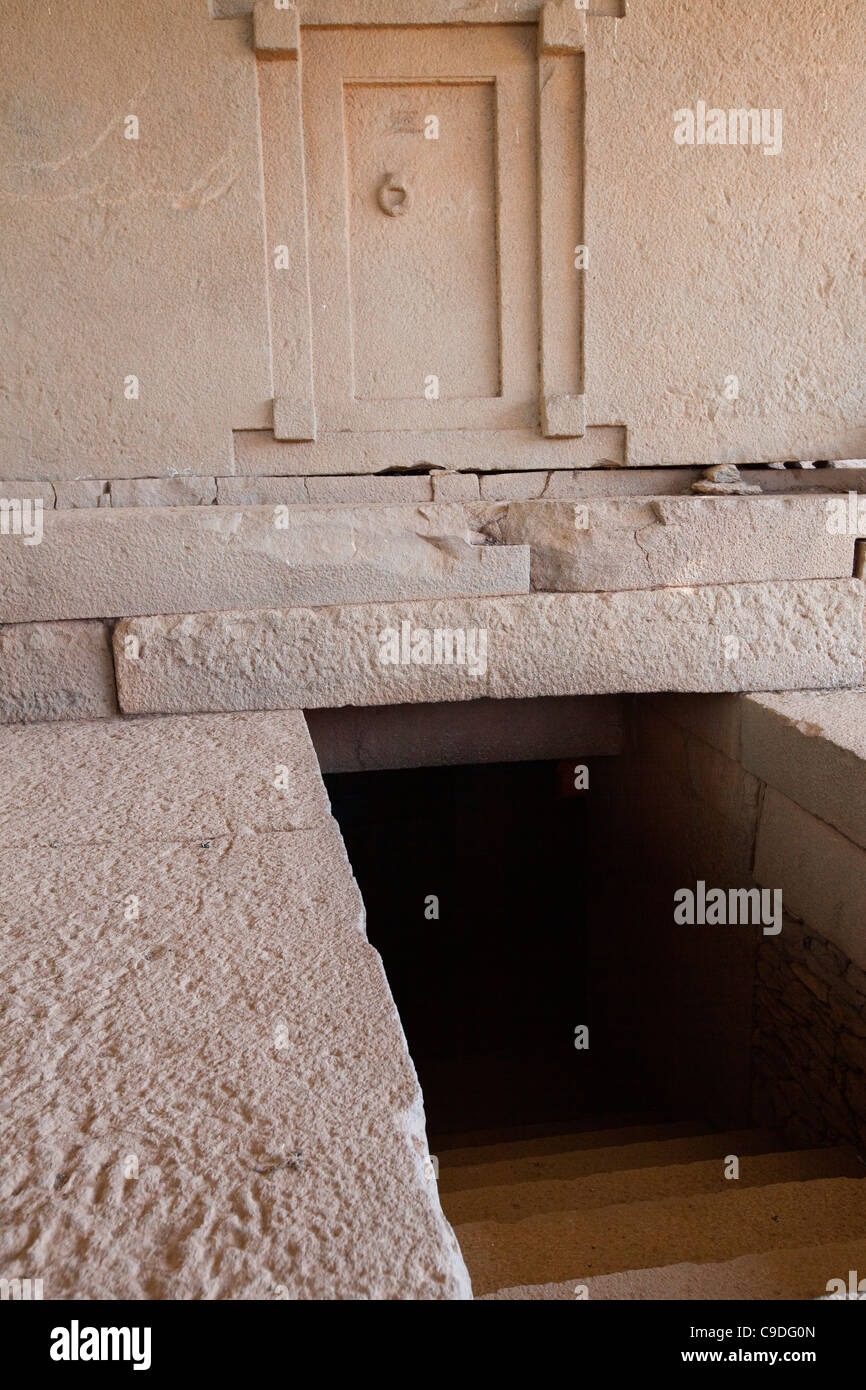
142 303
448 487
758 320
208 1094
21 488
791 635
810 1039
636 544
477 731
311 492
812 747
163 492
90 492
55 671
724 479
158 779
235 1048
650 481
821 873
142 560
256 452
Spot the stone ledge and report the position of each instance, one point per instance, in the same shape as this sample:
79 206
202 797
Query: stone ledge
624 543
727 638
214 1100
141 560
206 775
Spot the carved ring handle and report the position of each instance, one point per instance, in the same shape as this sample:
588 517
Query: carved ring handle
393 196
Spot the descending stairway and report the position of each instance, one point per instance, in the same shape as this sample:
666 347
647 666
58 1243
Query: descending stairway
645 1212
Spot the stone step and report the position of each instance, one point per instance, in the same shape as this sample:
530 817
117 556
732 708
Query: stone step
579 1245
637 543
516 1201
97 563
583 1128
546 1144
794 635
615 1153
800 1273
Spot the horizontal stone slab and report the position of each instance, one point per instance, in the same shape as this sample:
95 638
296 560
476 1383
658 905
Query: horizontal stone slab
56 671
475 731
631 543
213 1098
713 638
256 452
140 560
182 491
132 780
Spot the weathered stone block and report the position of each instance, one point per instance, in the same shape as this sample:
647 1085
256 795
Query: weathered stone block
55 671
629 543
158 779
87 492
214 1099
518 647
163 492
143 560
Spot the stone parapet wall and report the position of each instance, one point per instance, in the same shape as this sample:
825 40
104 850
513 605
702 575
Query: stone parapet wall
804 827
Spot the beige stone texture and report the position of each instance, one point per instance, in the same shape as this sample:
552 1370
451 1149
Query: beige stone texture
448 487
728 293
152 780
276 32
238 1045
791 635
477 731
643 543
84 333
21 489
151 560
162 271
822 874
163 492
208 1088
256 452
355 490
90 492
55 671
812 748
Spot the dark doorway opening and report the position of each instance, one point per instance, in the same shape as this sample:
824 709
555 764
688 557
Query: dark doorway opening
486 889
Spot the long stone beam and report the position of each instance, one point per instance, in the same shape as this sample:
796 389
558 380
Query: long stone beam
781 636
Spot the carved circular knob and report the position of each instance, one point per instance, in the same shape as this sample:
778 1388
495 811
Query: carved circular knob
393 196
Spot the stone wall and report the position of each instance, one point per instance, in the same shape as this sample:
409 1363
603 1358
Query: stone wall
810 1039
791 785
147 257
